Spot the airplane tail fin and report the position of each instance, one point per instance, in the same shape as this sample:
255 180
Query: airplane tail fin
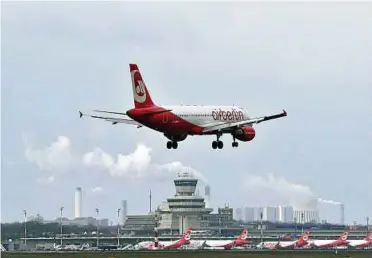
244 234
369 237
186 237
305 236
141 95
344 236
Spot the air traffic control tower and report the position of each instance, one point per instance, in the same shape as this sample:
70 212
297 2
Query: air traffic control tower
185 209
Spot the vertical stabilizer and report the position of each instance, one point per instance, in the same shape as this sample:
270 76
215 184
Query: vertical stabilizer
141 95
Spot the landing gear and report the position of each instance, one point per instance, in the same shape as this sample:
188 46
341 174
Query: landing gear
171 144
217 144
234 143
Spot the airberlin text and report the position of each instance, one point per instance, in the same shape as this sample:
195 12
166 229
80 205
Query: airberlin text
219 114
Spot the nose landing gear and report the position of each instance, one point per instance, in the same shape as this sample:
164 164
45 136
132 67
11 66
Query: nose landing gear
234 143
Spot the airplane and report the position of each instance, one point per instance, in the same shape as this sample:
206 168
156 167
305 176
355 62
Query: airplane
366 242
341 241
167 245
300 242
227 244
179 122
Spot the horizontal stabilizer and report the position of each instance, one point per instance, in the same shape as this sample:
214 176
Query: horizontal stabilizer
114 120
110 112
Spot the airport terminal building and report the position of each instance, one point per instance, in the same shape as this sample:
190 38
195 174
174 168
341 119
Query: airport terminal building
184 209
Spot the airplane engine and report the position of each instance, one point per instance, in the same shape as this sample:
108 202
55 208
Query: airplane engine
245 133
176 138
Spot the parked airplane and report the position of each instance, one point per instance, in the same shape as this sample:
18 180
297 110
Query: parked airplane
179 122
167 245
366 242
300 242
341 241
227 244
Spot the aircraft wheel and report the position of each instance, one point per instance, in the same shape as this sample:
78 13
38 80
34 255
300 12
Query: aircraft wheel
235 144
214 145
174 145
169 145
220 144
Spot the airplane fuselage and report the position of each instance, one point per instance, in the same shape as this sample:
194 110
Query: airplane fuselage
329 243
188 119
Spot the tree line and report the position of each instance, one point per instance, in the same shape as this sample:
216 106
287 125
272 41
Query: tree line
38 229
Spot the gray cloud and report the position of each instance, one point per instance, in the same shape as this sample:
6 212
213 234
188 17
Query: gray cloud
309 58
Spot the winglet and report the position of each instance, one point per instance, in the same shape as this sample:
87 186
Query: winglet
284 112
81 114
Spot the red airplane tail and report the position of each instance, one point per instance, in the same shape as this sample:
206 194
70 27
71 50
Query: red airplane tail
243 235
303 239
369 237
344 236
186 237
141 95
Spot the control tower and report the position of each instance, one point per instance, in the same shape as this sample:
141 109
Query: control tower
185 206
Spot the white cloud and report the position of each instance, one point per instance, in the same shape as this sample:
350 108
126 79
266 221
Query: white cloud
177 167
298 195
97 190
329 201
46 180
134 164
59 156
55 157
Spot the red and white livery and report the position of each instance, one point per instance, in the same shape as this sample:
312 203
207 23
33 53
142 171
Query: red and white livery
302 241
179 122
341 241
359 244
299 243
167 245
228 244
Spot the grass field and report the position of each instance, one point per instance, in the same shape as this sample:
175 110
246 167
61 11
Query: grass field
191 254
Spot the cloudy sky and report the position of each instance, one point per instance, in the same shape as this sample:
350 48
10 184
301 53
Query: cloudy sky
311 59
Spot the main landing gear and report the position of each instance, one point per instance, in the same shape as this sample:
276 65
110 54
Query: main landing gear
218 143
172 145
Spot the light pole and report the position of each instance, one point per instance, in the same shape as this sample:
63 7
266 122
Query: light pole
118 227
97 212
261 217
295 220
367 219
25 213
302 218
61 209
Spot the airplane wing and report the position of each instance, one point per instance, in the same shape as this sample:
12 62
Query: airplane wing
250 121
113 120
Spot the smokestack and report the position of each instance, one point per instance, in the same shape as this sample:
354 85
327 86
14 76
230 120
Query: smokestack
342 214
124 211
207 193
78 202
150 197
